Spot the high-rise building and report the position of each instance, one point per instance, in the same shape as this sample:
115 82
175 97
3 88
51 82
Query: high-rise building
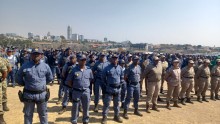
81 38
105 39
30 35
75 37
69 33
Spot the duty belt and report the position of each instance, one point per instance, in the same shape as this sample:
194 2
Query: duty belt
133 83
188 77
80 90
115 86
203 77
33 92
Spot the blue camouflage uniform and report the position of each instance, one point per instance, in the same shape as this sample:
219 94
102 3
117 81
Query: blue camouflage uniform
98 70
80 92
112 77
34 79
133 86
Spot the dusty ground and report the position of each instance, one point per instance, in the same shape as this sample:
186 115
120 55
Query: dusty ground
198 113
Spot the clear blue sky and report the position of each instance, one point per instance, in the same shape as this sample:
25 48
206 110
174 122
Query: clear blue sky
152 21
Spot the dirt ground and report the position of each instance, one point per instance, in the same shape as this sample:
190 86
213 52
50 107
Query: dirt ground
197 113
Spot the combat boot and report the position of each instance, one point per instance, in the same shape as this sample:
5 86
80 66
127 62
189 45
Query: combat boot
154 107
118 119
212 97
85 122
96 109
2 121
136 112
176 104
216 97
204 99
188 100
125 114
148 108
104 120
59 101
62 110
5 107
168 105
198 99
183 101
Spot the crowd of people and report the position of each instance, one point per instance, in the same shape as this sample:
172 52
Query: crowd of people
108 76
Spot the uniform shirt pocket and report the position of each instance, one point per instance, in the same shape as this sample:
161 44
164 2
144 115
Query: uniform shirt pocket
42 73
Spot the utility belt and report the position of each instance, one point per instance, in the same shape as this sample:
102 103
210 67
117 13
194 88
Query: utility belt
80 90
204 77
189 77
33 92
216 76
133 83
22 99
117 86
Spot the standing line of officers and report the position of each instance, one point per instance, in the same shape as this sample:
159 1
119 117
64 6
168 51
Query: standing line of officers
112 76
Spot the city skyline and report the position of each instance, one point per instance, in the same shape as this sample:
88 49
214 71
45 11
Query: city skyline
170 22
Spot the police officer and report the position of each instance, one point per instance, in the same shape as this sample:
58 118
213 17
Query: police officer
153 74
215 81
53 63
173 78
196 67
203 76
79 79
24 57
3 75
132 75
187 75
14 63
34 76
112 78
123 85
64 58
91 64
67 89
97 71
165 66
143 64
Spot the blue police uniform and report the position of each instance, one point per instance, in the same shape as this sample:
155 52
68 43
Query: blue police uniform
98 70
91 64
112 77
67 90
80 91
34 78
62 61
123 87
133 86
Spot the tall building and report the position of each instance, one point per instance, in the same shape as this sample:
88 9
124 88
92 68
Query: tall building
81 38
69 33
30 35
75 37
105 39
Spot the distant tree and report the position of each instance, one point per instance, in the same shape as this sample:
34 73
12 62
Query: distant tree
62 37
